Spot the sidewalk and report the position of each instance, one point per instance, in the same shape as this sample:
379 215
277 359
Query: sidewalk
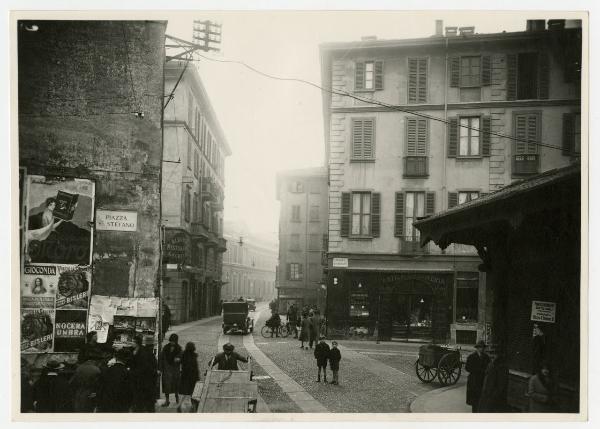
449 399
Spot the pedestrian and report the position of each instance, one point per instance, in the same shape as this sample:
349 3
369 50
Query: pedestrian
274 323
116 391
305 311
292 317
494 390
542 391
335 356
321 355
304 331
143 369
26 387
85 384
476 365
91 349
51 392
166 317
313 329
227 360
539 348
189 374
170 367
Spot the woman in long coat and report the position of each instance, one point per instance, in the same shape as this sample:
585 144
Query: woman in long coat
476 365
493 393
542 391
189 373
304 331
170 367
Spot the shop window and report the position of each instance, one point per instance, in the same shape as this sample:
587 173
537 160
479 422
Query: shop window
359 305
467 297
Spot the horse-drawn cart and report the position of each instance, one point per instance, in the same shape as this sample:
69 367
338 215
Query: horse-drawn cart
438 362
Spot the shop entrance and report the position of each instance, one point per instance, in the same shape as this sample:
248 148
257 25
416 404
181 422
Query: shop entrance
413 317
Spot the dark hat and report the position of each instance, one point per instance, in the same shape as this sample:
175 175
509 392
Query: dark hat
480 344
71 360
228 347
54 364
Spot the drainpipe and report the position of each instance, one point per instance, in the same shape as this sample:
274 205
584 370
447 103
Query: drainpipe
444 154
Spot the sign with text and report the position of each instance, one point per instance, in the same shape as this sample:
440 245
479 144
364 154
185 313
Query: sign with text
340 262
543 311
108 220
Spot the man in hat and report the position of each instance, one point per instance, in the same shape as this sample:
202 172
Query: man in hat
476 365
51 392
85 384
227 360
321 355
115 385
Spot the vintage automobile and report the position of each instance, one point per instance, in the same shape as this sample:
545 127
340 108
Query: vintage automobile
251 304
236 318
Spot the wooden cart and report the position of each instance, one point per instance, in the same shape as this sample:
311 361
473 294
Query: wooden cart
228 392
437 361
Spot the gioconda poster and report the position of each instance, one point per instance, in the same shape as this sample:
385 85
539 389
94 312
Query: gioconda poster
59 213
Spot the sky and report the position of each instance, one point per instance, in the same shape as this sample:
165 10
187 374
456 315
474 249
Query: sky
273 125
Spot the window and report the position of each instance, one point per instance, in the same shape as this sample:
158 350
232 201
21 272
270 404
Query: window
465 197
527 133
469 137
187 204
467 297
415 208
314 242
189 153
295 271
359 305
470 71
196 208
527 76
363 139
295 213
297 187
368 76
314 213
416 148
295 242
361 213
572 134
417 80
196 163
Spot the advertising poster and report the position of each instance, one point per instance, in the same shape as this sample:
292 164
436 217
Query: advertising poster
37 327
39 286
73 289
59 216
69 330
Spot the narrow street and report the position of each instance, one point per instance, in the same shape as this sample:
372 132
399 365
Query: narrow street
373 377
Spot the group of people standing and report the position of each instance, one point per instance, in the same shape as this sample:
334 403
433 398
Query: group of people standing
488 381
306 325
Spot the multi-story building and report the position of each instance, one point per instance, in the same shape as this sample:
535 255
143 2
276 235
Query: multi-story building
249 266
302 237
417 126
193 185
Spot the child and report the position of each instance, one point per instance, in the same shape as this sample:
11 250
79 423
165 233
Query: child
321 355
334 361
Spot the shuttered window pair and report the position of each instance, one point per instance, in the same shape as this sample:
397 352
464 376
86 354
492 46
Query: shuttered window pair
417 136
408 207
571 134
527 76
363 139
526 131
469 136
368 76
470 71
295 271
361 214
417 80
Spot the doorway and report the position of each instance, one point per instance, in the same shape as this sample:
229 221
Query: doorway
413 317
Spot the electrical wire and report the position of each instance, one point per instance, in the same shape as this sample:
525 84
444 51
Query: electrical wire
126 43
379 103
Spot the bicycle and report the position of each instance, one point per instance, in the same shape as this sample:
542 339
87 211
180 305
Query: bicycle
267 331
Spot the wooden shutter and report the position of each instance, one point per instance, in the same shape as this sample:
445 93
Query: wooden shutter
422 81
413 72
568 144
429 203
378 66
375 214
452 199
399 215
520 134
359 76
422 135
532 133
368 138
454 71
486 127
544 76
357 138
452 137
411 136
486 70
301 271
511 76
289 271
345 221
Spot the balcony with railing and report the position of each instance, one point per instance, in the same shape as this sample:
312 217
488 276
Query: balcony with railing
416 166
525 164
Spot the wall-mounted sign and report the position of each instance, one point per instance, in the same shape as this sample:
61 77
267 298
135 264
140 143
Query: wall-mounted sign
108 220
543 311
340 262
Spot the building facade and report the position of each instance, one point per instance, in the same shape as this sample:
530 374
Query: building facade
90 137
193 187
302 237
429 124
249 267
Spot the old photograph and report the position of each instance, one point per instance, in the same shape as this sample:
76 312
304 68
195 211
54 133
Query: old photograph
329 213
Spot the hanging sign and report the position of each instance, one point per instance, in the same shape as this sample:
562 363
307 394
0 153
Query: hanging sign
107 220
543 311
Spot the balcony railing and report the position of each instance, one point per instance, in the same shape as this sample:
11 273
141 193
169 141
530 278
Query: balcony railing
525 164
416 166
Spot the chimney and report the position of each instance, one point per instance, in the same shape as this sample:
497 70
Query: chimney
556 24
536 25
466 31
439 28
368 38
451 31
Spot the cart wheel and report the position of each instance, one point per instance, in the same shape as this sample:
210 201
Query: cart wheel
265 331
283 331
449 369
425 373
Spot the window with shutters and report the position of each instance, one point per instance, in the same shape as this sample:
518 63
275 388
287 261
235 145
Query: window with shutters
466 196
368 76
527 75
467 297
469 136
187 203
189 153
196 163
417 143
470 71
572 134
415 208
361 214
417 80
409 207
527 127
295 242
294 271
314 213
295 213
363 139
